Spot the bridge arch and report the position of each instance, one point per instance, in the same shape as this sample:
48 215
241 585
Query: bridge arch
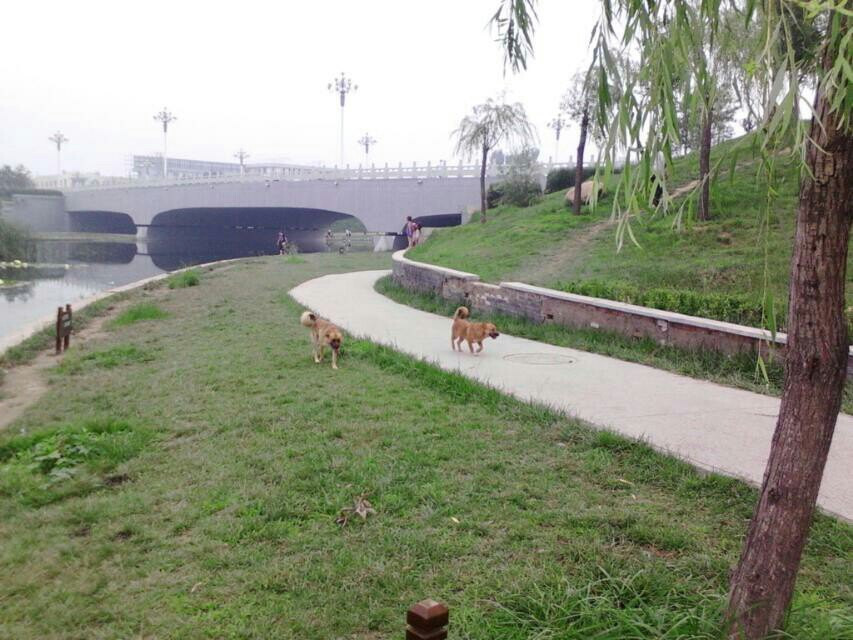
101 222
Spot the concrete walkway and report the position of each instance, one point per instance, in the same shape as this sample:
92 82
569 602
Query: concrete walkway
711 426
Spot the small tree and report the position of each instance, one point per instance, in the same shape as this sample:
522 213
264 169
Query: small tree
14 179
579 103
490 124
816 354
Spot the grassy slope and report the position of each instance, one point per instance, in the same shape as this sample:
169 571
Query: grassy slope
226 455
725 254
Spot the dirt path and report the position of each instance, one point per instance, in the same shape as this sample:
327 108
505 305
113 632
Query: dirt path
555 261
24 384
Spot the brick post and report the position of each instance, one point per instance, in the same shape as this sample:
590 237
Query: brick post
427 620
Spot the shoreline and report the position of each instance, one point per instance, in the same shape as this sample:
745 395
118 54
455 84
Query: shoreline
32 328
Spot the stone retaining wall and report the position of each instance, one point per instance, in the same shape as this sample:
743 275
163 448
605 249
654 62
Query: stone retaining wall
539 304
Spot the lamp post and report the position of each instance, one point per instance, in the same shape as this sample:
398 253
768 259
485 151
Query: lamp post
342 86
241 155
557 125
58 139
365 142
165 117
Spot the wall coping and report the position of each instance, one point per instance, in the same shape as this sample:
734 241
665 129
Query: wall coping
399 256
657 314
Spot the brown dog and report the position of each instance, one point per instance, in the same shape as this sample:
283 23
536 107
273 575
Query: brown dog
470 332
323 333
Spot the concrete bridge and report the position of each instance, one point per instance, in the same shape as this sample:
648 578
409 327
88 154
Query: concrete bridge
314 198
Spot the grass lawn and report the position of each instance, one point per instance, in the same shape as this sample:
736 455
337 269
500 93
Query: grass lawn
182 477
547 245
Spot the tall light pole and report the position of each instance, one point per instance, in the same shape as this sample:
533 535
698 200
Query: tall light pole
241 155
342 86
165 117
58 139
366 141
557 124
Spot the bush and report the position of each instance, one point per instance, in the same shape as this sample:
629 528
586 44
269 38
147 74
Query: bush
738 309
15 242
564 178
494 195
189 278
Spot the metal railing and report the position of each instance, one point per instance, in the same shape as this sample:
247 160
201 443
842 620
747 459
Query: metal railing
427 171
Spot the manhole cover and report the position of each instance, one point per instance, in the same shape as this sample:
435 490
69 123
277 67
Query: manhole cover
539 358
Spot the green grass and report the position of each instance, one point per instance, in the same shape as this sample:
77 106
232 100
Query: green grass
188 278
735 371
139 313
120 355
527 523
724 255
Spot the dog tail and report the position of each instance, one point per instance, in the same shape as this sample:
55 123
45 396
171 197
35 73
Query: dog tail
461 313
308 319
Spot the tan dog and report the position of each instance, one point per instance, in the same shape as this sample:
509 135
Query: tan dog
323 333
470 332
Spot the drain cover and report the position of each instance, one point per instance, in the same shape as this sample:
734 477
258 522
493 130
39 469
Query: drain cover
539 358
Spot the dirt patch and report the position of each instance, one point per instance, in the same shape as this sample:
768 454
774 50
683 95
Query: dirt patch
24 384
557 259
117 479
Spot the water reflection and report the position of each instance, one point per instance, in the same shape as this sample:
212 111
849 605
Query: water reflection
68 271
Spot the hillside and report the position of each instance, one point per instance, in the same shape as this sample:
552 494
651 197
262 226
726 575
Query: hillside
547 245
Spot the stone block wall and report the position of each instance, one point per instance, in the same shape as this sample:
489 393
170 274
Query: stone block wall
539 304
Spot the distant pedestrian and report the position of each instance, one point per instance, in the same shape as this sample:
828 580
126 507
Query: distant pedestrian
410 231
281 242
416 234
348 234
329 238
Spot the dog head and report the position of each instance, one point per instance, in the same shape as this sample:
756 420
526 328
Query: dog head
492 330
333 338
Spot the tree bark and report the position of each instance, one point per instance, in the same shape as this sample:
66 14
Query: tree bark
705 166
815 368
483 203
579 165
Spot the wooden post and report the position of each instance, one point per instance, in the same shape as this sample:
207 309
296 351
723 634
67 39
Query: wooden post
427 620
66 328
63 328
58 330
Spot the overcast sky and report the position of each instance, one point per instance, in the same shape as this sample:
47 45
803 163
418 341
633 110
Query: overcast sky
254 75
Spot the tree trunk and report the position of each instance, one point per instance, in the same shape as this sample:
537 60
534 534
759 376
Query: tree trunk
705 166
483 203
579 165
815 369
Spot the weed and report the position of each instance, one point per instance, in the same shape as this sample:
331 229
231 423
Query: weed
188 278
138 313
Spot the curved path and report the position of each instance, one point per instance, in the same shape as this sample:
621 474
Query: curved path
713 427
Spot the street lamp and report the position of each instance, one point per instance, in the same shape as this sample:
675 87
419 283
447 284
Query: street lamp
557 125
241 155
58 139
165 117
365 142
342 86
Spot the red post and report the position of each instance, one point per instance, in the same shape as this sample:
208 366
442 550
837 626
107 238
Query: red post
427 620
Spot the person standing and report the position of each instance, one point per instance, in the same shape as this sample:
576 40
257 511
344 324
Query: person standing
416 234
410 231
280 242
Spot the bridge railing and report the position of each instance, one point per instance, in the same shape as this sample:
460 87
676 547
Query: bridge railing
440 170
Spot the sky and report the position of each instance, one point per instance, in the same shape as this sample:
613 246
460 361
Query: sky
254 75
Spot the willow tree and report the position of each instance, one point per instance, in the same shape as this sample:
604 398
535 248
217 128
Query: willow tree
661 32
489 125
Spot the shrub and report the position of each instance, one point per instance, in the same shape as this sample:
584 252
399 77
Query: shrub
494 195
189 278
738 309
564 178
15 242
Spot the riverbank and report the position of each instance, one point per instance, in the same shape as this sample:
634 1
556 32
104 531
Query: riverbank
219 456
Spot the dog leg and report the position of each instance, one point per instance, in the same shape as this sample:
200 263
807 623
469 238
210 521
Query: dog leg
479 344
334 359
470 346
453 342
